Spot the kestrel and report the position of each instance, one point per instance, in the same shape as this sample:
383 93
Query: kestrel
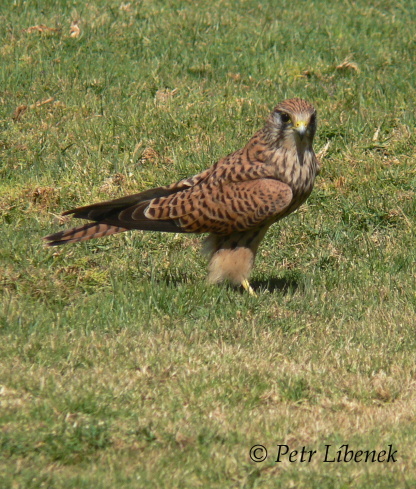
235 201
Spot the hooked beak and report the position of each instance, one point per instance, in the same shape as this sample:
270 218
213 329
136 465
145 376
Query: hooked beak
301 127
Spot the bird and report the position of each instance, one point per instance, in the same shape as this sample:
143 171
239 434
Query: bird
235 201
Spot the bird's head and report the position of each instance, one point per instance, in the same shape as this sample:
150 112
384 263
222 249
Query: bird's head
293 121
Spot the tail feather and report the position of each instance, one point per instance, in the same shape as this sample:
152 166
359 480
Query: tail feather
116 216
83 233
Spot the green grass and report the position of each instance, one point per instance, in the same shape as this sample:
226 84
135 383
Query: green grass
119 366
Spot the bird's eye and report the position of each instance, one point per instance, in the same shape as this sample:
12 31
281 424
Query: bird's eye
284 117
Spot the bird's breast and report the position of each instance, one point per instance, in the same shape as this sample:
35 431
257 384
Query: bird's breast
296 170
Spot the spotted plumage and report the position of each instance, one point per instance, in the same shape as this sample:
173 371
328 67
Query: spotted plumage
236 200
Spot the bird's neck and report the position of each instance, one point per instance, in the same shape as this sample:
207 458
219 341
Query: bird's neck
295 165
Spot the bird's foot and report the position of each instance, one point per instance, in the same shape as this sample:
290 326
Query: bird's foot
248 287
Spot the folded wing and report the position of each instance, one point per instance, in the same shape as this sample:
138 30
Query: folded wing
222 209
204 208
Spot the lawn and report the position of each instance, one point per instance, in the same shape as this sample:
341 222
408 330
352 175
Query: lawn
120 367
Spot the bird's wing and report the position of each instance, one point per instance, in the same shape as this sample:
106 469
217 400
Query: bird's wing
221 209
110 217
236 193
102 210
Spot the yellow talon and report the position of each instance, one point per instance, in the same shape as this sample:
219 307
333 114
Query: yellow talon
248 287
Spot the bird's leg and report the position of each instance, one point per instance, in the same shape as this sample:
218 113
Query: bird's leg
248 287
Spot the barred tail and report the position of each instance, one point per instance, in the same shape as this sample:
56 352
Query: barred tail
82 233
